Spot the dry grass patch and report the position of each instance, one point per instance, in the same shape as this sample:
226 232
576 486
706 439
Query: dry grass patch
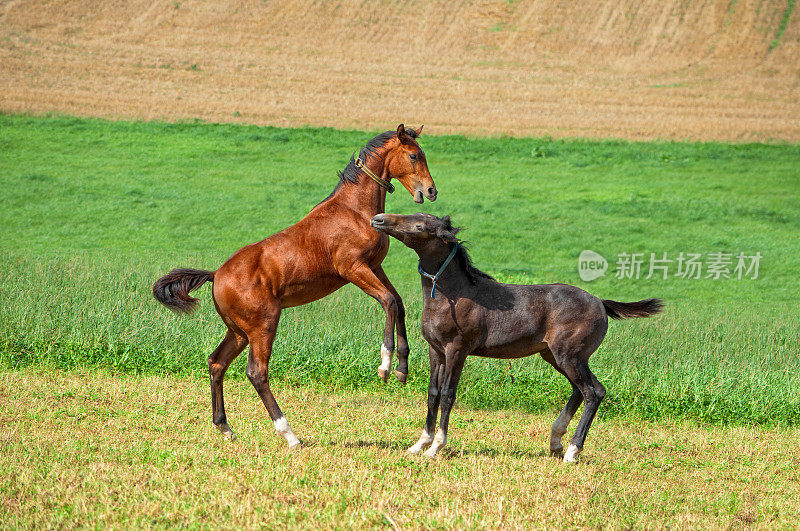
96 450
641 70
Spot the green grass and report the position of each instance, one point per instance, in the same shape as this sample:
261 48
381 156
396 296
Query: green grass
787 13
89 449
94 211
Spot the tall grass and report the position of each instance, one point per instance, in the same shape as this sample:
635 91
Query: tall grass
90 226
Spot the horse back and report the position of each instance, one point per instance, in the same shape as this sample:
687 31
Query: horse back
499 320
303 262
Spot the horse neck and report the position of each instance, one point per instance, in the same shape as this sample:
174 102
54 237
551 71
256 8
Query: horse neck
453 275
366 196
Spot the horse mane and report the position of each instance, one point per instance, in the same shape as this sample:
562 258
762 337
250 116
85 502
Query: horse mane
446 232
351 172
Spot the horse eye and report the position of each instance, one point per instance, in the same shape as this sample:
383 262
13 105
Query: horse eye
420 228
413 157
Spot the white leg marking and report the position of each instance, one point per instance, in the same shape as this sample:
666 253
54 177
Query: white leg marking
386 363
282 427
424 440
571 454
386 359
438 443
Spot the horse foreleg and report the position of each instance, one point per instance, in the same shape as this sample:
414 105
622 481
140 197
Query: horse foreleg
402 340
448 384
366 279
437 368
218 363
257 372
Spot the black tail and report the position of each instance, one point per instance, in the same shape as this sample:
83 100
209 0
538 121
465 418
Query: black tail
626 310
172 290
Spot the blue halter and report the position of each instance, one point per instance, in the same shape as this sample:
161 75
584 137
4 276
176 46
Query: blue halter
436 276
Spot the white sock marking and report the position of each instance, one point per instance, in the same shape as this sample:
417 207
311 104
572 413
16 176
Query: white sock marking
438 443
386 359
571 455
424 440
282 427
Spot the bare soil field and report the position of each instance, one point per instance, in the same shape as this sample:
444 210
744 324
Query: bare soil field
717 70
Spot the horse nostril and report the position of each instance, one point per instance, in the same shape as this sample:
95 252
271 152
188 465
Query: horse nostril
431 191
379 219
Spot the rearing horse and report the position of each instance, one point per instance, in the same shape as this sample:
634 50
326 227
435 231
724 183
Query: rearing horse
333 245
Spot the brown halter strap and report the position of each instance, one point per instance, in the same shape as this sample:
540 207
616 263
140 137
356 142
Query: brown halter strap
385 184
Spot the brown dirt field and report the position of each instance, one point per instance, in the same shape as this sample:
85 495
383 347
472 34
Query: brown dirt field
631 69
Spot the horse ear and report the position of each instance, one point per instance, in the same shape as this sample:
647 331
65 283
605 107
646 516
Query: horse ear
443 234
445 231
402 135
419 131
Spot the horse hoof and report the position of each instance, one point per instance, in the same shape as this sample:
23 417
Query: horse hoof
429 454
556 449
401 377
572 454
384 374
227 433
296 447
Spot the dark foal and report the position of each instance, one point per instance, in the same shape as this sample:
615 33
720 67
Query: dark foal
331 246
468 313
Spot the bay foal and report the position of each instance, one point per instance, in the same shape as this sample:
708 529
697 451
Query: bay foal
331 246
468 313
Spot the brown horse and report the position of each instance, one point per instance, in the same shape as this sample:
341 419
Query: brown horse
468 313
331 246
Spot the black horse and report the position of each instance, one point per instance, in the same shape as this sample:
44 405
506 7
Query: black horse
468 313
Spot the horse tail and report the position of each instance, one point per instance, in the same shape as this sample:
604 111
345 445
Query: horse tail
172 290
626 310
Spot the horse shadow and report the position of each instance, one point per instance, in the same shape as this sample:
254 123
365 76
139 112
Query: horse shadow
449 454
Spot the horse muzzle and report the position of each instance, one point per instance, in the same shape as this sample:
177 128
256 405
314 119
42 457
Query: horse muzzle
430 194
379 222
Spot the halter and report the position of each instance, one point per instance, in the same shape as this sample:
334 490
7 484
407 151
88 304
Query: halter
385 184
436 276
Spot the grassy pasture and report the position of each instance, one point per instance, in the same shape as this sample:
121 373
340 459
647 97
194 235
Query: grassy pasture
93 211
89 449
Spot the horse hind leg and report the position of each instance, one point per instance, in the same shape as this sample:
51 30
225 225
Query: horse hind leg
593 392
577 370
261 341
218 363
559 428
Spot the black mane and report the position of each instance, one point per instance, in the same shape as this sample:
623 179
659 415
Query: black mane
351 172
446 232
